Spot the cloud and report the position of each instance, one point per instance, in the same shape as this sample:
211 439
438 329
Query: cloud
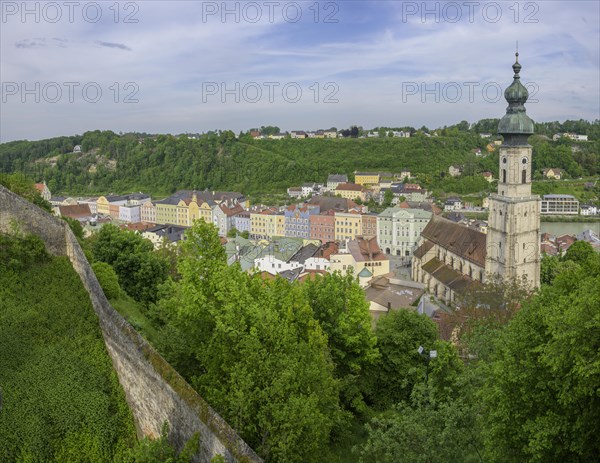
114 45
369 53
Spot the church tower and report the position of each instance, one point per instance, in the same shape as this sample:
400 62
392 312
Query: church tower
513 239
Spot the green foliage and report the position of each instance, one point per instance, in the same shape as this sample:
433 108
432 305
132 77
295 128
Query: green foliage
232 233
21 251
400 367
139 268
437 424
388 196
75 227
580 252
108 279
252 349
541 394
161 451
220 161
61 398
339 304
24 187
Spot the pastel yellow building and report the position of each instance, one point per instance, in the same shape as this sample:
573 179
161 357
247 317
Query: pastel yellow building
347 225
366 178
361 253
351 191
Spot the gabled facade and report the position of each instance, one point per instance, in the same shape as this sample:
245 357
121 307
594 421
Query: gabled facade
297 220
43 190
348 225
399 230
366 178
322 226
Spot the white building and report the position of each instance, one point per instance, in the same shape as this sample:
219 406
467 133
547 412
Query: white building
589 209
334 180
453 204
559 205
399 230
130 213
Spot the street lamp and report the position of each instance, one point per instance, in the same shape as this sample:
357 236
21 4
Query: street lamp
427 356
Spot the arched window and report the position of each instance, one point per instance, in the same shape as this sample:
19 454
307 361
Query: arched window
503 175
524 176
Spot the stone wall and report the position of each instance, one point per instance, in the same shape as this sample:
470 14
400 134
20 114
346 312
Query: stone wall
154 391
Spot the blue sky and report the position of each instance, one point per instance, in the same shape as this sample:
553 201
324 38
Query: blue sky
173 67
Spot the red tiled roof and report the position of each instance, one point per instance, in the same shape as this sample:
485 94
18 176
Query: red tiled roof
365 249
77 211
349 187
463 241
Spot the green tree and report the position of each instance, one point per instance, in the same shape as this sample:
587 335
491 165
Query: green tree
438 423
232 233
139 268
339 304
541 394
252 349
108 279
399 335
75 226
580 252
388 197
25 187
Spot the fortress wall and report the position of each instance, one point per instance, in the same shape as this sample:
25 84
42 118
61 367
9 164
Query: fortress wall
154 391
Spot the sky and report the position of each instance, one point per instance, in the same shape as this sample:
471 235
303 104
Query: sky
67 67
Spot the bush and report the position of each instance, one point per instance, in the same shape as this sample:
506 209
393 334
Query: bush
108 279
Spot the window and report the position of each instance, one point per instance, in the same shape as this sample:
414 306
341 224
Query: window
504 174
524 176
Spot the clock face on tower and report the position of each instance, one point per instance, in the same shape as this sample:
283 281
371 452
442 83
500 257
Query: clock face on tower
524 161
504 160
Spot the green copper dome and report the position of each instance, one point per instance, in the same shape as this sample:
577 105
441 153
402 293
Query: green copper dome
516 121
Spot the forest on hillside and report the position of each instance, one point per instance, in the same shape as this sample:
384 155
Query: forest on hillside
161 164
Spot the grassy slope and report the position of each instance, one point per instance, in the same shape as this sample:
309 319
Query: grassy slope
61 398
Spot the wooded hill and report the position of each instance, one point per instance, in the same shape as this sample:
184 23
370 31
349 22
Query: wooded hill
161 164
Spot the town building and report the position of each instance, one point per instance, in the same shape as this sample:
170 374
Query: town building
399 230
43 190
242 221
148 212
164 234
223 216
361 253
366 178
455 171
588 209
559 205
369 225
322 226
351 191
334 180
297 220
553 173
348 226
